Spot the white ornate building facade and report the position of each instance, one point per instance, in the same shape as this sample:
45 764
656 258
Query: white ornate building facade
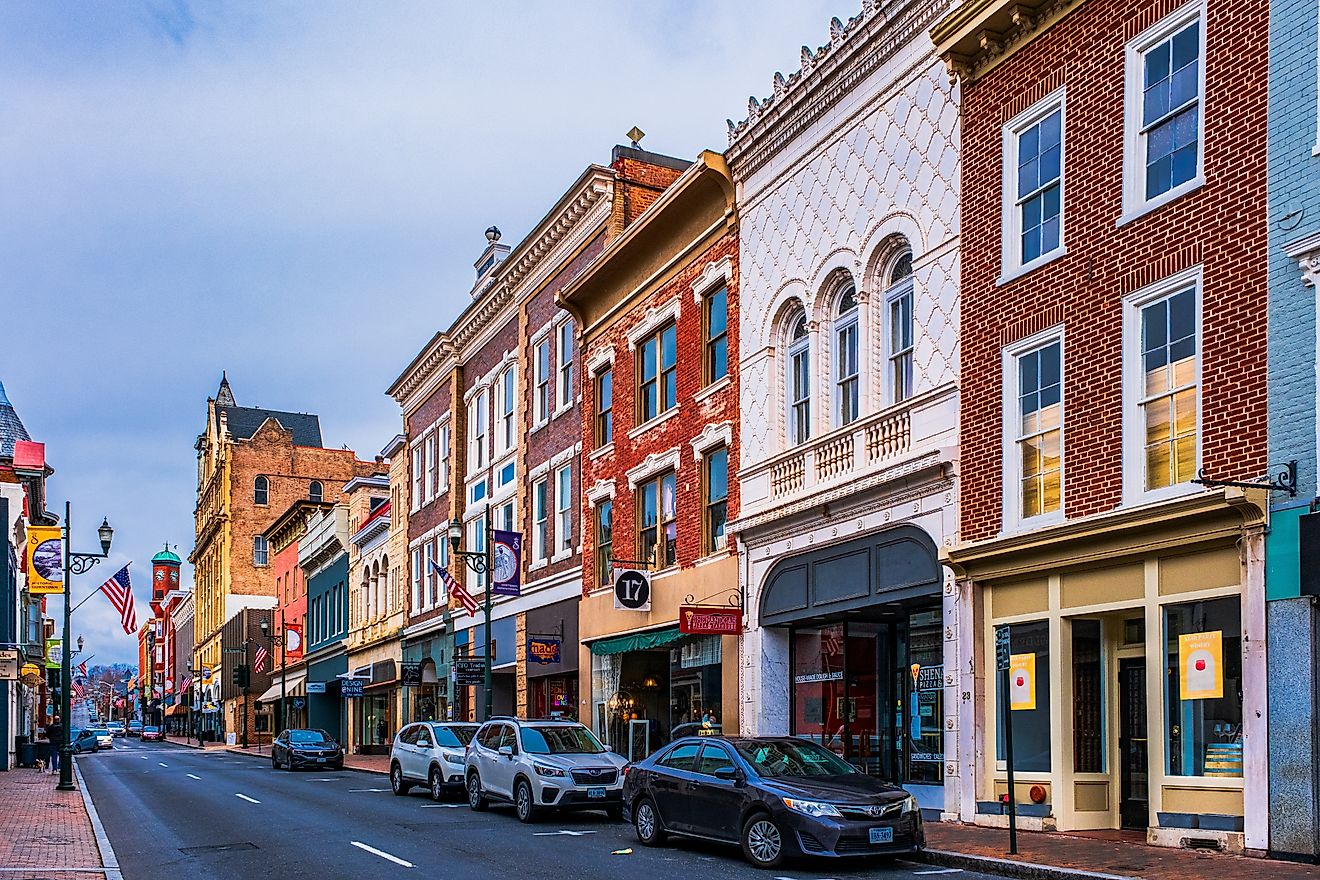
847 188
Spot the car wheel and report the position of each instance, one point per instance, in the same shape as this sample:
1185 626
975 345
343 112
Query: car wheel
524 804
437 785
274 763
397 785
646 822
763 842
476 799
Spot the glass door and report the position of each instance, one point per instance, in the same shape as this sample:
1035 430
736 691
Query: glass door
860 703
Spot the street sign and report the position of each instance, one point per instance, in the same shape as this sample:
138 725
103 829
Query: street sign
469 671
1002 655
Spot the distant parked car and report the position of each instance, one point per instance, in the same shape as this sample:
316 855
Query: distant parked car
116 728
305 747
135 728
776 796
151 733
103 739
84 741
430 753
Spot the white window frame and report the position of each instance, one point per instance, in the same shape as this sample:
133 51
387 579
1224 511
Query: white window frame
564 510
540 519
541 390
506 422
478 417
564 343
501 486
797 348
1012 265
428 576
444 460
1012 426
1134 426
508 512
905 288
429 443
850 321
1135 203
260 551
472 498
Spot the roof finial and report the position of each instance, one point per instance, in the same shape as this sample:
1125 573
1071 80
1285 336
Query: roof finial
225 396
635 135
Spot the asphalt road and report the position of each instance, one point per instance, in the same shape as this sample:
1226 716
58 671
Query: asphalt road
172 812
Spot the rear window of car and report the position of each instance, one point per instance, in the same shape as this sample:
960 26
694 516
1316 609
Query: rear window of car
100 731
151 730
454 737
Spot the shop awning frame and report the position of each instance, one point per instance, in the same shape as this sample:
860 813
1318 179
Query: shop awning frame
643 641
295 686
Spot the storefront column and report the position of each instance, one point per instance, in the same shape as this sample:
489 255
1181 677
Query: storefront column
960 750
1255 702
764 682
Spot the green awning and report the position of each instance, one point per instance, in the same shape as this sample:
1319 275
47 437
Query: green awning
636 642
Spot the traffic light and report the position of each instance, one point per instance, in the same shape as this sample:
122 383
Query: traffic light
239 676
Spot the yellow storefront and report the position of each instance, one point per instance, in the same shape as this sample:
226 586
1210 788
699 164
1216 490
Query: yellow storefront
1145 630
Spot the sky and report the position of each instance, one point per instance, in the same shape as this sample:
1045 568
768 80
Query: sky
295 193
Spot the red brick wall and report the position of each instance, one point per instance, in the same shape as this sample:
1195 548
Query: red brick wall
692 418
431 515
1222 225
639 184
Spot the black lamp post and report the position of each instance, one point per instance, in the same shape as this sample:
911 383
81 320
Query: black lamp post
149 713
482 562
270 636
74 563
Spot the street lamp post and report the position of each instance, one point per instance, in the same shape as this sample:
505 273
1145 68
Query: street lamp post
270 635
148 713
74 563
481 562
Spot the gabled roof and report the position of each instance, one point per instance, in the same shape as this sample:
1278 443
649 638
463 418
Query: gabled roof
11 426
245 420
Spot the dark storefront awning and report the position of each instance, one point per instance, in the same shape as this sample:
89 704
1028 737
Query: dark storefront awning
636 642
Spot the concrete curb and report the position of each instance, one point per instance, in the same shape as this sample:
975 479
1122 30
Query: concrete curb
1013 868
109 861
346 766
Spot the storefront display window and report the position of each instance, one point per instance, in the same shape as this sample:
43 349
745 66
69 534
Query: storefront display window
554 696
1031 722
373 721
1203 689
1088 697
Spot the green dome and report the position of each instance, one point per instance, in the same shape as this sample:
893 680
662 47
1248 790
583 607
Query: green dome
167 556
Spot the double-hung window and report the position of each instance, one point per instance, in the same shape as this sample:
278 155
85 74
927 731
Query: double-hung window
508 390
478 417
543 380
416 580
261 490
899 298
565 370
717 335
443 484
1033 186
717 498
429 549
1165 120
1035 421
657 388
418 477
260 552
605 407
799 382
540 516
604 541
564 509
475 542
657 527
1167 331
845 359
430 468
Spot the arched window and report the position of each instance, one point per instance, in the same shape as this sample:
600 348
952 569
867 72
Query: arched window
315 492
261 491
798 383
259 554
898 296
845 357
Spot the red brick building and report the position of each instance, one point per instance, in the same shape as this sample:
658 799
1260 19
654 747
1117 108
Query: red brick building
1113 347
658 312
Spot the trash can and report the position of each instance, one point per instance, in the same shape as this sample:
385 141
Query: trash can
27 752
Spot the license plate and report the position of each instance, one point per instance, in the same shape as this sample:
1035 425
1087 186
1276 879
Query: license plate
882 835
320 760
595 792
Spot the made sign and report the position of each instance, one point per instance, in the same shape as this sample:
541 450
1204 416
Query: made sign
543 651
696 620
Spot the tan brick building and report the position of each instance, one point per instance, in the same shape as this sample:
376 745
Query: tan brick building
252 464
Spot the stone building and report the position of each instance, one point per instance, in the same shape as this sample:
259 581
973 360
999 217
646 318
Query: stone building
1111 341
847 182
251 464
658 311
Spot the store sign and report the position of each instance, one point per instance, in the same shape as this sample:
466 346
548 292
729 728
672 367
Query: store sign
696 620
1022 682
543 650
45 559
410 674
8 665
814 677
1201 665
300 702
507 575
30 674
469 671
1002 649
632 589
54 653
351 688
315 687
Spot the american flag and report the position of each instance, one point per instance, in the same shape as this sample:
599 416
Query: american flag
185 684
259 661
120 593
82 669
464 597
80 690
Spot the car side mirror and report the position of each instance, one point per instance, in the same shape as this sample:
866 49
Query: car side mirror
506 751
728 774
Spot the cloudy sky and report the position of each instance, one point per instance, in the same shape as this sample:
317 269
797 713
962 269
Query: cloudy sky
295 193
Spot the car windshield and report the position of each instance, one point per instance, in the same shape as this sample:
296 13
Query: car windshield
308 736
793 758
453 737
566 740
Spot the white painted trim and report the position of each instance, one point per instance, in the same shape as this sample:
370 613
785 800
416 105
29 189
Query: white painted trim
655 318
1011 265
715 275
641 429
602 490
713 388
601 358
711 436
654 464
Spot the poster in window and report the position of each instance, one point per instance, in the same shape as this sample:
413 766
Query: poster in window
1201 665
1022 682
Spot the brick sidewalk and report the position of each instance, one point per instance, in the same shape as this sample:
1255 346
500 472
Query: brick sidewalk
43 829
1102 856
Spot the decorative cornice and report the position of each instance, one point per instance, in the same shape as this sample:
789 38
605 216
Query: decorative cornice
654 464
601 357
653 318
712 435
600 491
981 33
715 274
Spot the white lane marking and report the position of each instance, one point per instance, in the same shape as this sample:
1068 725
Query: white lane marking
940 871
246 798
384 855
443 806
354 790
191 776
561 831
144 757
162 763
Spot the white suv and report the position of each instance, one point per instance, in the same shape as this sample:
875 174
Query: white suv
539 765
429 753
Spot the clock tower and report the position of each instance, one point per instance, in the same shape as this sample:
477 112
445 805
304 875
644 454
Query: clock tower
164 575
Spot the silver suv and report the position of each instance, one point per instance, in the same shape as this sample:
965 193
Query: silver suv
542 765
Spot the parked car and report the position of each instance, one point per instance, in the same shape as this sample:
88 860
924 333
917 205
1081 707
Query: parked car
135 728
84 741
116 728
151 733
103 738
540 765
777 797
430 753
305 747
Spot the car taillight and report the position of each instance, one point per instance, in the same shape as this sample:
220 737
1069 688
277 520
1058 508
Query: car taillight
624 771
